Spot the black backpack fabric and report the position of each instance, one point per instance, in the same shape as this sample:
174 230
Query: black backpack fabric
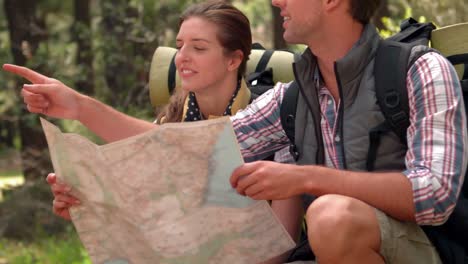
391 66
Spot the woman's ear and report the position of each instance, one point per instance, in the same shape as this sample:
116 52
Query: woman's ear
235 60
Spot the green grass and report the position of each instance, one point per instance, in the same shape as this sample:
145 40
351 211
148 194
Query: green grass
61 249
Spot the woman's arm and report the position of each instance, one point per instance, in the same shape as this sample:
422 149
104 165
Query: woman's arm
51 97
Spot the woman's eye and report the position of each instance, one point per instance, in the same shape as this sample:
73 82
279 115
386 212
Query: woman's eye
199 49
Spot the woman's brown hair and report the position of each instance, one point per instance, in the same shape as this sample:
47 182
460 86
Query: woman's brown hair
233 34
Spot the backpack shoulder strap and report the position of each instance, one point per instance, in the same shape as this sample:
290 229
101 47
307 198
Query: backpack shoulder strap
288 115
390 69
392 62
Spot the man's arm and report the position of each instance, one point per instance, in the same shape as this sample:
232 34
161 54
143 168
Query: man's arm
436 160
263 180
437 138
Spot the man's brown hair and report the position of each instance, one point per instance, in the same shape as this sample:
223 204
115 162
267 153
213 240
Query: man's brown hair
363 10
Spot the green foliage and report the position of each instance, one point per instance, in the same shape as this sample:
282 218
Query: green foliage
392 24
258 12
260 17
66 248
441 12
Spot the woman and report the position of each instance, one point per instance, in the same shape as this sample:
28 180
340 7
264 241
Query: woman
210 63
214 42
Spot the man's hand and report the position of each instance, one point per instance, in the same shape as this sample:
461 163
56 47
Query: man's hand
266 180
46 95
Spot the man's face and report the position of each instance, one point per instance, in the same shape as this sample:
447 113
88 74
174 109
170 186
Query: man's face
302 19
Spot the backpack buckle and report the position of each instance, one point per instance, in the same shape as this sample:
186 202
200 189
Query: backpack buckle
392 99
399 117
294 152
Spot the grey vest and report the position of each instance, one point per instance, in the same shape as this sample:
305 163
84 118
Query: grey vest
358 113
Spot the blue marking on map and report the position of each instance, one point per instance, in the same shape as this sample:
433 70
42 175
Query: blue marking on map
226 157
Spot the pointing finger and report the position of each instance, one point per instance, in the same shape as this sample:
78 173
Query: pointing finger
26 73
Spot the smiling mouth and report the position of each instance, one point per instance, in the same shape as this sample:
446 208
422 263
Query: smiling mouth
186 72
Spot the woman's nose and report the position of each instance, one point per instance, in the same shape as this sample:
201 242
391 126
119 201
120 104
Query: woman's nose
182 55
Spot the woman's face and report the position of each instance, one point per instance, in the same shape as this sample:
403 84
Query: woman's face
201 61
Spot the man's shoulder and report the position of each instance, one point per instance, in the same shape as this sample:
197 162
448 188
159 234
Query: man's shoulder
431 57
430 61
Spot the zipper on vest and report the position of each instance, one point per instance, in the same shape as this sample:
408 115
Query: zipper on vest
340 115
320 155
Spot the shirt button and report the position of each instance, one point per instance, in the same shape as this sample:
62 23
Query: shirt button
330 102
337 139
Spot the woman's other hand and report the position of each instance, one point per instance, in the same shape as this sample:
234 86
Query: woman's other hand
62 199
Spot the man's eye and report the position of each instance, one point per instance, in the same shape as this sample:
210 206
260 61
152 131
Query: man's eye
199 49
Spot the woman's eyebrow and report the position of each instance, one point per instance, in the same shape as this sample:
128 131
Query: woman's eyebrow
195 40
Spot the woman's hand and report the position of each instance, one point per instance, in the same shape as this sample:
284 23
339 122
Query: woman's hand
62 199
46 95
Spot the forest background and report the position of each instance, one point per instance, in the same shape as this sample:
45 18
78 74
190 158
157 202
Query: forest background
103 48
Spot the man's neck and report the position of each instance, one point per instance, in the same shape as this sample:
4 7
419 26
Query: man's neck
333 45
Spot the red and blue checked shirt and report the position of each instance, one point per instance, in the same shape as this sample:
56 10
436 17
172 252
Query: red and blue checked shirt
437 137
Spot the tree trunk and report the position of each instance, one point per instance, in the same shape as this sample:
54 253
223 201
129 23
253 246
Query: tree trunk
7 133
84 56
278 40
26 31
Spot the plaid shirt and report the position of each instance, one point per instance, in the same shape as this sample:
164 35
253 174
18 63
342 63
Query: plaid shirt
437 136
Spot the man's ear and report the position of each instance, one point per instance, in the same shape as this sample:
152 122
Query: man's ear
329 5
235 60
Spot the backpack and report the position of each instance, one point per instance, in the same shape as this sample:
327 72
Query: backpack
390 69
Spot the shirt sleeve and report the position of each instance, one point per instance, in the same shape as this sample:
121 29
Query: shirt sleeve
258 127
436 159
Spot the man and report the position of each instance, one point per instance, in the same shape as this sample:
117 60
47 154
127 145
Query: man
358 216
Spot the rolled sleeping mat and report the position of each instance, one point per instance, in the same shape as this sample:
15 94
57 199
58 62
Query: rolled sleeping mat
279 60
452 42
164 80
